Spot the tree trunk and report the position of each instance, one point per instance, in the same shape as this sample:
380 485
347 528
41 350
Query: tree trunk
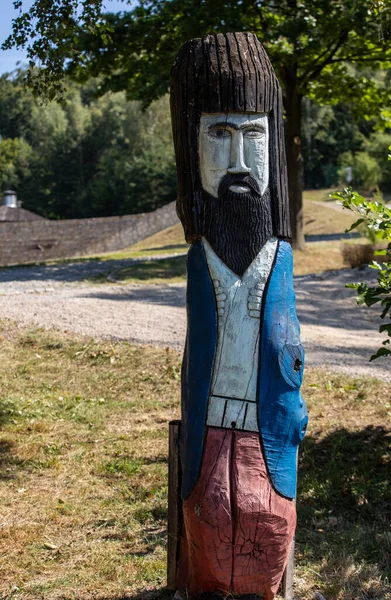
294 161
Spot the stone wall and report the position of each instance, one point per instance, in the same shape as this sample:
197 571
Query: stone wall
34 241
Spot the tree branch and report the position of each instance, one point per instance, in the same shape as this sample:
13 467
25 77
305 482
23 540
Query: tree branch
380 58
321 55
313 72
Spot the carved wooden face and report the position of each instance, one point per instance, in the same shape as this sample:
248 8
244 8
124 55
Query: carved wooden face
234 144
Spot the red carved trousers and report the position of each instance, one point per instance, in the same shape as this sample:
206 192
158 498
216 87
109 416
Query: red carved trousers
237 530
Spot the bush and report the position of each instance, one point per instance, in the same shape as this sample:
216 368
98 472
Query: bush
356 255
377 217
366 172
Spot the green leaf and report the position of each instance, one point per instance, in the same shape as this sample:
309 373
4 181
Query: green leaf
381 352
356 224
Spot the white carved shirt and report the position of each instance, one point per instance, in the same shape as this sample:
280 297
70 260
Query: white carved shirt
232 403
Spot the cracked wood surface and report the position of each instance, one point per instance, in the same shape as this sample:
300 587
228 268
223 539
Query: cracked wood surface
237 530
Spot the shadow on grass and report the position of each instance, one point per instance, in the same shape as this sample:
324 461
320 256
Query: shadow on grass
344 510
168 247
165 268
344 497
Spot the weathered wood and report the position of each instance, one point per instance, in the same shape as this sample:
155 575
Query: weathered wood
242 413
233 537
287 579
224 73
174 503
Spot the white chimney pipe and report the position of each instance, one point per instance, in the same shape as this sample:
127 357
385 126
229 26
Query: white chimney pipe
10 199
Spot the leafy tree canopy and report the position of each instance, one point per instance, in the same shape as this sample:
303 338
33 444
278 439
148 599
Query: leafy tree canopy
311 42
89 157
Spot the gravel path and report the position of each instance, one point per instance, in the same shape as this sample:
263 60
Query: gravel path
337 334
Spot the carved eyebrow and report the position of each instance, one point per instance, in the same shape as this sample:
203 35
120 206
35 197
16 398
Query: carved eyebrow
247 125
258 126
224 124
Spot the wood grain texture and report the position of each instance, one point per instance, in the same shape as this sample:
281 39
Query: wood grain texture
287 579
281 411
243 362
237 529
224 73
237 353
174 504
175 519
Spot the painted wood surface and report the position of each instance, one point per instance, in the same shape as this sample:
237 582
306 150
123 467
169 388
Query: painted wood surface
175 517
239 308
242 412
281 411
227 73
237 530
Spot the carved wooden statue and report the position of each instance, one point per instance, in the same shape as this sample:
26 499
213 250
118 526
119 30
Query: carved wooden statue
242 412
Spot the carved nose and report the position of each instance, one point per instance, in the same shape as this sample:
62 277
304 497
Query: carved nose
238 164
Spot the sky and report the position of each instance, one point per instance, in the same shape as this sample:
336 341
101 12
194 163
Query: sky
10 58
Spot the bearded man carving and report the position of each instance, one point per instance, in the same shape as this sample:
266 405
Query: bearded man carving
242 412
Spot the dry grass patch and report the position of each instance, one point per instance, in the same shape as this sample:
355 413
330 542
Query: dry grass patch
344 507
83 481
83 473
325 219
162 270
317 220
168 240
318 257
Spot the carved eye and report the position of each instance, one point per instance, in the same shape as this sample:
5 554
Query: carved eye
220 133
253 133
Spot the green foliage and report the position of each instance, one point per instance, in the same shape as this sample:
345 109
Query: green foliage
15 156
88 157
376 145
327 133
137 168
49 31
312 42
332 139
366 172
377 217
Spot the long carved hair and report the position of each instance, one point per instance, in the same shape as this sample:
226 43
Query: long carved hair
220 74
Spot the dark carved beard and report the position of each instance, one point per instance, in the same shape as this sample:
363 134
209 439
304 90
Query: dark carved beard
237 226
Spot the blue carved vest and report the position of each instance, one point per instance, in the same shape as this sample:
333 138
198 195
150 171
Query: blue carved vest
282 414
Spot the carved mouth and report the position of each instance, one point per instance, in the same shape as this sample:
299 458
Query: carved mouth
239 184
240 189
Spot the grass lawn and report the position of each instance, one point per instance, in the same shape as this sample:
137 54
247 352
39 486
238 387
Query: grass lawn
83 473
